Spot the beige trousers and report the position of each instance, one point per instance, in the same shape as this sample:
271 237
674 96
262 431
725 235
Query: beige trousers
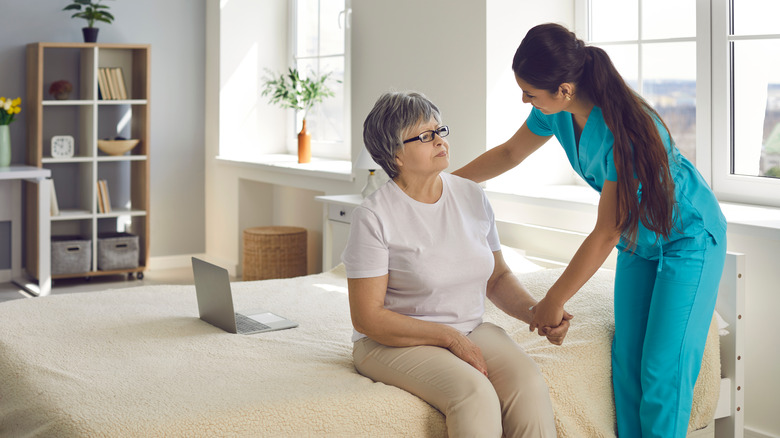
512 401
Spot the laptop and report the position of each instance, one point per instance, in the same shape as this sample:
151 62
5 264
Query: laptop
215 303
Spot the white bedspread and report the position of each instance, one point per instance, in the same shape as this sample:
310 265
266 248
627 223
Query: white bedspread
139 362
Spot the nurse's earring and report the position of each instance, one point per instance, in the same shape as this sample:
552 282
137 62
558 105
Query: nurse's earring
568 97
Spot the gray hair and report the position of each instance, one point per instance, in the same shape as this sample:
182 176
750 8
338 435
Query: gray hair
393 114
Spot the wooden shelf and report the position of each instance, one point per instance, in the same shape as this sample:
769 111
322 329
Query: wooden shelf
100 273
88 118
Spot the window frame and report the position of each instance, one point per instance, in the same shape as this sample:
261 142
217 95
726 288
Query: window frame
703 119
727 186
323 149
713 104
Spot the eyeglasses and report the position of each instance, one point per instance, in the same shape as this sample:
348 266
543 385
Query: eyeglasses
428 136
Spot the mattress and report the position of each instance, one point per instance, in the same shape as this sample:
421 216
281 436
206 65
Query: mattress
139 362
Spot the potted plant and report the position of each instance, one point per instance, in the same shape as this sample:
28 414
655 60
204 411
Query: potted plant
9 108
290 90
92 11
60 89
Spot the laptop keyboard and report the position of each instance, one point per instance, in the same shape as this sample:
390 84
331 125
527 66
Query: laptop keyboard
246 324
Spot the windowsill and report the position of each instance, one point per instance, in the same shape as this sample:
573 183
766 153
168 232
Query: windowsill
755 217
579 197
340 170
740 217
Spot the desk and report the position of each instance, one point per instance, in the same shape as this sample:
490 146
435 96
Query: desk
38 176
335 226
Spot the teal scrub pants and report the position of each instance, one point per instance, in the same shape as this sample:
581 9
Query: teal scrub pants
664 302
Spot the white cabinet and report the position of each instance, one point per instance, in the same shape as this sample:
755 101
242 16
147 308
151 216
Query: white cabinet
337 215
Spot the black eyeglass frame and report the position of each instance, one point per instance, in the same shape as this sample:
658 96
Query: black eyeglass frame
443 129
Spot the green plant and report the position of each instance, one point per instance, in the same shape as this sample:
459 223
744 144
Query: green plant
291 91
774 172
90 10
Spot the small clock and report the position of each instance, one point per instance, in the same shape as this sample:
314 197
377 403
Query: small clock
62 146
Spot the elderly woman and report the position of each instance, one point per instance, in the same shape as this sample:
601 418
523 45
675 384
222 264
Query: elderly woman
423 253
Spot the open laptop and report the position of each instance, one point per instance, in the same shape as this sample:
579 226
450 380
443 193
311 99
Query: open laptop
215 303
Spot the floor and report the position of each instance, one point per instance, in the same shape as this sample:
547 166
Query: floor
10 291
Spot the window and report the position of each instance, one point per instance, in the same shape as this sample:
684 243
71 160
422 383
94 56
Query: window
320 45
746 111
655 52
706 67
709 78
259 38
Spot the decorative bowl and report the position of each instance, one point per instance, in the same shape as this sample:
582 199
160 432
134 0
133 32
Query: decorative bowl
117 147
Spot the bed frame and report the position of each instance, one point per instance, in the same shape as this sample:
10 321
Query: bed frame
552 247
730 415
87 371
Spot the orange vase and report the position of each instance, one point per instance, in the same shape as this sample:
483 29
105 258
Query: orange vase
304 145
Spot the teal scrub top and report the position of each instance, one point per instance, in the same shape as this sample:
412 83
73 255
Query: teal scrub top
697 211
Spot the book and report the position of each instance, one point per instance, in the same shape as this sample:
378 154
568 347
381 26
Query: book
103 84
100 92
120 82
106 197
111 84
54 206
101 206
99 197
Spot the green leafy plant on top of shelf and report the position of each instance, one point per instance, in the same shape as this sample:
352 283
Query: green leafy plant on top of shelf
90 10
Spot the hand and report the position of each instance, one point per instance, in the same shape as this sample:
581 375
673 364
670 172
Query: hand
468 351
546 315
556 334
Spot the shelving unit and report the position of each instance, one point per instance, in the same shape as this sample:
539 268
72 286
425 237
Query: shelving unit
87 117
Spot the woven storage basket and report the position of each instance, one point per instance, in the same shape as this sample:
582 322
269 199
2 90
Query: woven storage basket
274 252
70 255
117 251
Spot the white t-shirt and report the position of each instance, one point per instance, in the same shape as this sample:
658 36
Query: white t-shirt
438 256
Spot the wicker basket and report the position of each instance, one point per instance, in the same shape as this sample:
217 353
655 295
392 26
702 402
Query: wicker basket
274 252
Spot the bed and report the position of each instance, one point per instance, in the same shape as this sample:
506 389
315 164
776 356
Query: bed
139 362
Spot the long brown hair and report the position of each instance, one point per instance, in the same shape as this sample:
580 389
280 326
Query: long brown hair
551 55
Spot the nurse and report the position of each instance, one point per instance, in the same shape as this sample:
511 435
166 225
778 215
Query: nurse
654 206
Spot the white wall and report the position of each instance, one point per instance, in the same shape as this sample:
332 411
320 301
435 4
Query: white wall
245 55
508 23
436 47
175 30
762 357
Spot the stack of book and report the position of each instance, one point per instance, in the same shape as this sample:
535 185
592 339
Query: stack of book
111 83
54 205
104 201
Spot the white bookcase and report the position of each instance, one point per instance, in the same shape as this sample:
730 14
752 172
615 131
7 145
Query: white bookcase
87 117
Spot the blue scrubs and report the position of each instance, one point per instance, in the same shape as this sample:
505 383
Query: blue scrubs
665 289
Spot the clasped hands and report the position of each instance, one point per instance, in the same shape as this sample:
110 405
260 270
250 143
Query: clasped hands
550 320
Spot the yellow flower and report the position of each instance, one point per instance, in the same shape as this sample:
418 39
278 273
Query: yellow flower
8 109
